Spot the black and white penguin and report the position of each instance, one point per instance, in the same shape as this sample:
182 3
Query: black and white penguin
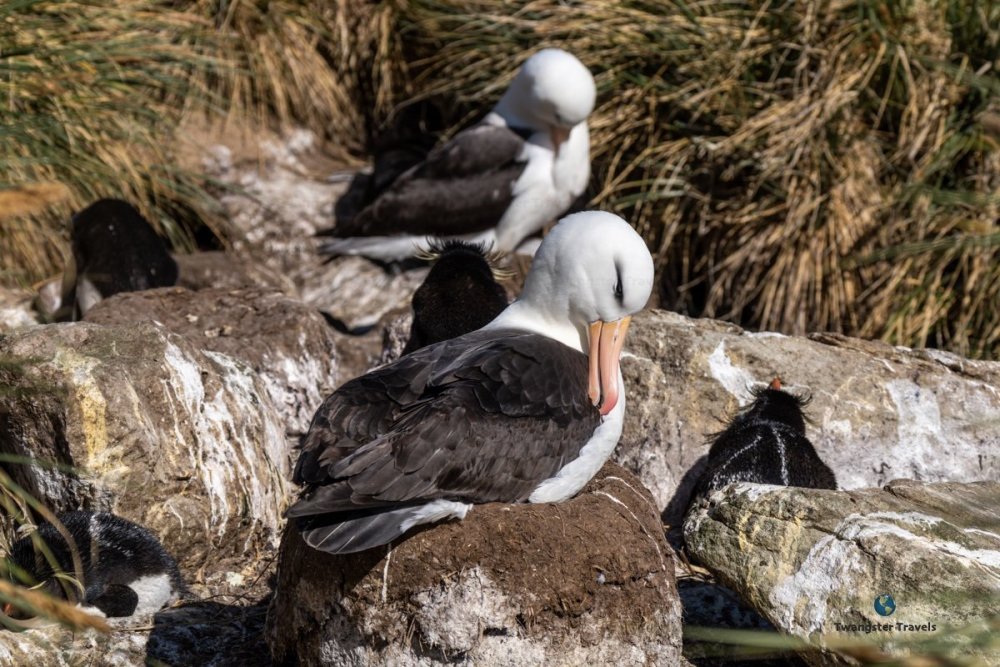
460 294
766 443
498 182
114 250
125 570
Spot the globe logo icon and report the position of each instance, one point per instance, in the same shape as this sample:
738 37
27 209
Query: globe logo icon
885 605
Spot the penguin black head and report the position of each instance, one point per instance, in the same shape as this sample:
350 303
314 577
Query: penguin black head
773 403
459 295
116 250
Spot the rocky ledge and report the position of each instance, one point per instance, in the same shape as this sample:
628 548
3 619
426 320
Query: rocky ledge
588 581
896 568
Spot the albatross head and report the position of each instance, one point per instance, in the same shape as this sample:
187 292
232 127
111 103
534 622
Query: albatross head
553 92
591 273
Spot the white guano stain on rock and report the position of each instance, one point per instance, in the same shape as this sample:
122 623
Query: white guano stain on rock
454 617
734 380
919 426
935 447
862 528
838 560
829 563
221 467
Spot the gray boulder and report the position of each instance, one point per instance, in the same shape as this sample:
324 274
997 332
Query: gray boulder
289 345
588 581
877 412
814 562
184 441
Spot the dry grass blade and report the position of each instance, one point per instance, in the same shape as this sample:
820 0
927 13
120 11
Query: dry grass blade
42 605
31 199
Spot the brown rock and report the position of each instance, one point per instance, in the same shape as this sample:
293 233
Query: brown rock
588 581
287 343
183 441
204 270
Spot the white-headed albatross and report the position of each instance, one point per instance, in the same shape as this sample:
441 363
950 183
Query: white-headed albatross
497 182
527 408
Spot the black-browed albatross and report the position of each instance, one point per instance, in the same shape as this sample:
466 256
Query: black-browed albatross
527 408
497 182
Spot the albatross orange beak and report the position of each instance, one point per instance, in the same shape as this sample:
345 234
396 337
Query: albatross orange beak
606 341
559 136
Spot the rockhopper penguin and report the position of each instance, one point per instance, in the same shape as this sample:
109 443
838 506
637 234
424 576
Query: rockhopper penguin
125 569
459 295
766 443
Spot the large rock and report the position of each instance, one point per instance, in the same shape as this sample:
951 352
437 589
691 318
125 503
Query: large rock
184 441
217 269
877 412
588 581
289 345
814 562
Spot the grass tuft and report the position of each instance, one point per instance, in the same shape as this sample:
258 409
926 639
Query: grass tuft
795 166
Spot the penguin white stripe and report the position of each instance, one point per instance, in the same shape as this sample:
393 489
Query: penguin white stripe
740 453
782 455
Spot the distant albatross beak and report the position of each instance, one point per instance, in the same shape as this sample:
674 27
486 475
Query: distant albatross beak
559 136
606 341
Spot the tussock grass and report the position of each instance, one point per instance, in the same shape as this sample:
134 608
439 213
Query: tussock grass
331 66
795 166
91 92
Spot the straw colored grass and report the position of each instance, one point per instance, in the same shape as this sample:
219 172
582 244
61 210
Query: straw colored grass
330 66
91 93
795 166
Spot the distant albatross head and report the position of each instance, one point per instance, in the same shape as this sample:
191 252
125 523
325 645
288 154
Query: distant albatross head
590 275
552 92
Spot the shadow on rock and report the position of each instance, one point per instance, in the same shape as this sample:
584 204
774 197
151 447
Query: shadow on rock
673 513
209 634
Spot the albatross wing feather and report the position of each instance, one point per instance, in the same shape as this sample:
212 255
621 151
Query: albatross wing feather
474 432
467 184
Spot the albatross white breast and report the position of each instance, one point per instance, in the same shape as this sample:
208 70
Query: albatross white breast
526 409
498 182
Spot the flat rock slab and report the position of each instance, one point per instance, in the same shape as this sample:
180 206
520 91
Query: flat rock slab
588 581
814 562
222 270
289 345
181 440
877 412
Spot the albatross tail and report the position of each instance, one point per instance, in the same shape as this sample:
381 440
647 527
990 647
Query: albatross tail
350 532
